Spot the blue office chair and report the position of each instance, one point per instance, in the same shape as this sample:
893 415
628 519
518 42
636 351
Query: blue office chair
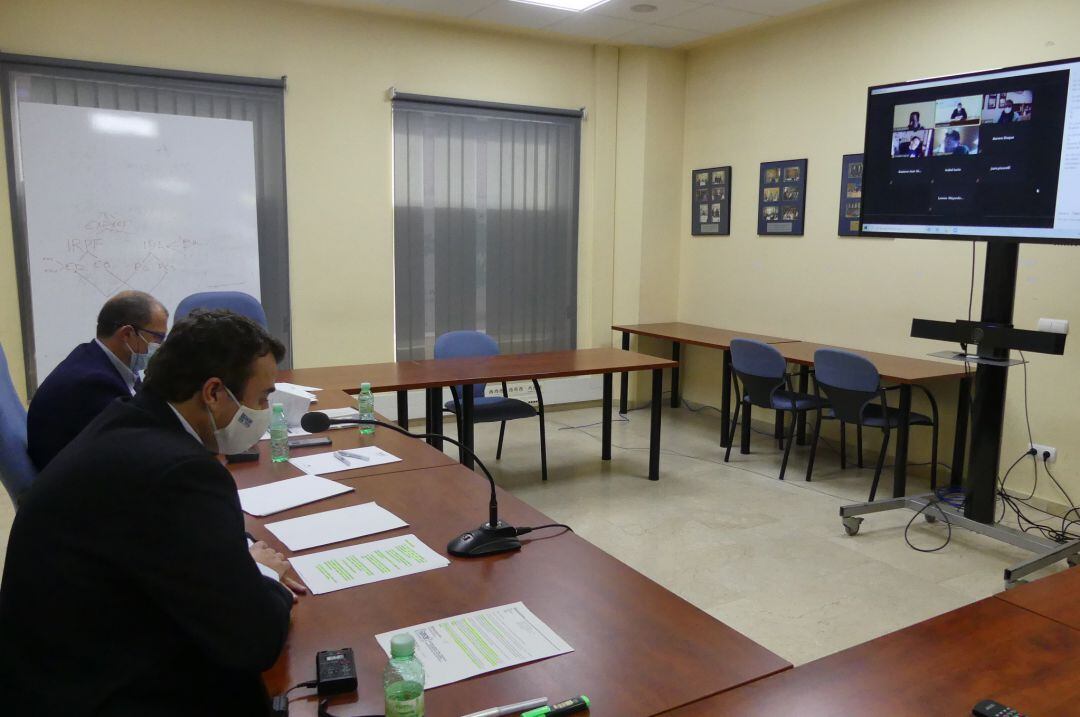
853 387
235 301
761 380
488 409
16 470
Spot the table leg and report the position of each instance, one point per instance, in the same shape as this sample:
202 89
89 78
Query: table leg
654 430
605 420
800 424
725 401
960 441
466 436
675 346
403 409
435 415
900 470
624 379
429 413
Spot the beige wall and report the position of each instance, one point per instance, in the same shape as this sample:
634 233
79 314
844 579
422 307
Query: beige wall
339 65
799 90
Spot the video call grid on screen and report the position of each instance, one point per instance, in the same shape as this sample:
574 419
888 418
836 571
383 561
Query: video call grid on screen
984 154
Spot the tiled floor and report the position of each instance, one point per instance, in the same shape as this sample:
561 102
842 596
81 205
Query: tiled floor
768 558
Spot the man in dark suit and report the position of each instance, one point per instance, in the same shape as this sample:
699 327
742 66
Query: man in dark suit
129 328
129 587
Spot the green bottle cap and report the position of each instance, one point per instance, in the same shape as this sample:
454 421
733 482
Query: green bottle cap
365 386
402 645
278 408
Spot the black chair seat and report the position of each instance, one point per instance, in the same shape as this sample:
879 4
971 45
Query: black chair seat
781 401
491 409
872 417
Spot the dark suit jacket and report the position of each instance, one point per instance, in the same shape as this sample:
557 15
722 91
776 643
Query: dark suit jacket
76 391
128 587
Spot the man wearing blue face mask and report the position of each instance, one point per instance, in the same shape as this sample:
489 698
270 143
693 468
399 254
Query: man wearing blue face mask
129 588
130 327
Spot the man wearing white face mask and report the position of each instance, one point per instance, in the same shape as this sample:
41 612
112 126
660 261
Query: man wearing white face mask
129 587
130 327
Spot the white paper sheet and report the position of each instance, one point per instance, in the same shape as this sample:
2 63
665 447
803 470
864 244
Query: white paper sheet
364 563
296 386
333 526
284 494
464 646
328 462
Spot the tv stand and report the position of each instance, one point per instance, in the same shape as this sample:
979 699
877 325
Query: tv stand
994 337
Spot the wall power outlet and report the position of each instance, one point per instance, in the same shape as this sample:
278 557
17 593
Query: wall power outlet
1043 450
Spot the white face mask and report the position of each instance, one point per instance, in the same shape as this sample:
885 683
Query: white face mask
244 430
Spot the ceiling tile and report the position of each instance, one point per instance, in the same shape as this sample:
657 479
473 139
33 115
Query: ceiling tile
659 36
521 14
664 9
711 19
767 7
448 8
596 27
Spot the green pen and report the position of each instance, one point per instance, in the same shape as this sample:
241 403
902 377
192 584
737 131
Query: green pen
574 704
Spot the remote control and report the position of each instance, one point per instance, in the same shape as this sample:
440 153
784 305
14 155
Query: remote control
989 708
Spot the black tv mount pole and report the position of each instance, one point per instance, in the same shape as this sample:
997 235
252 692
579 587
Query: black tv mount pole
994 337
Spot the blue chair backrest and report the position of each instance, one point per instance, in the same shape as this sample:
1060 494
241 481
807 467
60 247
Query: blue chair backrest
849 380
235 301
847 370
757 358
463 344
16 470
760 368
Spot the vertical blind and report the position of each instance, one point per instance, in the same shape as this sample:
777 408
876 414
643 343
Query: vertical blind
78 84
485 226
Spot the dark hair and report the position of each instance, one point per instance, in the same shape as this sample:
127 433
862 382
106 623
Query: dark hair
953 134
208 344
913 116
128 308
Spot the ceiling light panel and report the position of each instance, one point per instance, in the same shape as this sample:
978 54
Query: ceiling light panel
571 5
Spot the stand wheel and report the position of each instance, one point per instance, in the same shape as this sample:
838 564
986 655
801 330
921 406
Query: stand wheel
1073 560
851 525
930 518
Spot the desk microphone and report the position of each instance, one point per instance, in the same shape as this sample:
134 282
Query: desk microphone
495 536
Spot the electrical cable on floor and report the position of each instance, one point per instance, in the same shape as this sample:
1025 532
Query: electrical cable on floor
944 517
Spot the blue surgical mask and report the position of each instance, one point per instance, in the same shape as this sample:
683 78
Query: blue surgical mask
138 361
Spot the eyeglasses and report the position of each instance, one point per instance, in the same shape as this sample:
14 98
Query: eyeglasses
156 334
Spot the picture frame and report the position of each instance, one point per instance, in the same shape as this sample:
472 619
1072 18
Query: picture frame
782 198
710 204
851 171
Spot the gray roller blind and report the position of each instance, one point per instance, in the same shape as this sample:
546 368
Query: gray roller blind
81 84
485 226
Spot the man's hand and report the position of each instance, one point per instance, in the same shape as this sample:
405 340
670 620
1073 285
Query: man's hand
265 555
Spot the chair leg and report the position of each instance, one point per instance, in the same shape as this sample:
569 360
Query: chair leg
744 448
813 445
843 445
858 443
778 429
880 465
787 444
731 434
502 431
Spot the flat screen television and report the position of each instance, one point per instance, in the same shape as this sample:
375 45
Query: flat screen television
992 154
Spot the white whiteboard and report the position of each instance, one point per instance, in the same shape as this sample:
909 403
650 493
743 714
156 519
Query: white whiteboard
121 200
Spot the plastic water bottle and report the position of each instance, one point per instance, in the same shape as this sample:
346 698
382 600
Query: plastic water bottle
403 679
365 404
279 435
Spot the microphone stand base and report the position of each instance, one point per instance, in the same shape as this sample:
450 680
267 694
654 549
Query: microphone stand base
485 540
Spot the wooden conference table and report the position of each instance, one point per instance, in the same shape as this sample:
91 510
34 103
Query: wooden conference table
435 374
638 649
990 649
901 370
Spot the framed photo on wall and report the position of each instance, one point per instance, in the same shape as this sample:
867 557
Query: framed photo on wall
710 203
782 198
850 195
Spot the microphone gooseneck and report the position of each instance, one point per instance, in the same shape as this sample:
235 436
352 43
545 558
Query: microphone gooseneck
494 536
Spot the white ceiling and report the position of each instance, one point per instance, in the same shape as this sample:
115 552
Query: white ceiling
674 22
